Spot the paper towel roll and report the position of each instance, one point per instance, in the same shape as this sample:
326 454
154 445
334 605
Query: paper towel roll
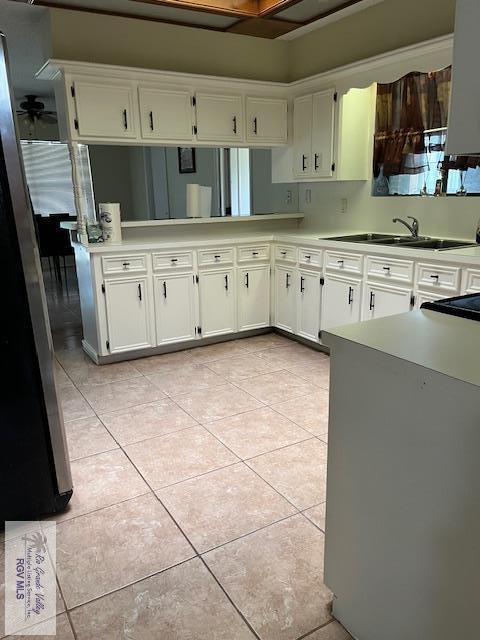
109 214
193 200
205 202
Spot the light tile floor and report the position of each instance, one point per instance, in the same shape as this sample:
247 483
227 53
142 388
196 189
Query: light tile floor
199 488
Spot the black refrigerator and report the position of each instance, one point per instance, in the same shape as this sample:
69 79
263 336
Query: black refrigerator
35 476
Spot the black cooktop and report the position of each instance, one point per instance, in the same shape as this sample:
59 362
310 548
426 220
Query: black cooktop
463 306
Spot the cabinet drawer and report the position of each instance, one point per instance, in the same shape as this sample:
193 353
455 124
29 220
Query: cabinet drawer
133 263
390 269
438 277
285 253
347 262
215 256
310 257
162 261
253 253
472 281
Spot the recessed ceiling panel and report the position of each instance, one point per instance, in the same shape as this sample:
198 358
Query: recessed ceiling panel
308 9
147 10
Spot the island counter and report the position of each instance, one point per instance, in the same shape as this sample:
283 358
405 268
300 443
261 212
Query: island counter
403 508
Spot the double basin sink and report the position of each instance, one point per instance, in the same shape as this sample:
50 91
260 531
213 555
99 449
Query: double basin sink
435 244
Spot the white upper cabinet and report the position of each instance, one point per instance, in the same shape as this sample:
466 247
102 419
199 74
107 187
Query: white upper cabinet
313 134
464 118
266 120
219 117
165 114
302 136
323 122
105 109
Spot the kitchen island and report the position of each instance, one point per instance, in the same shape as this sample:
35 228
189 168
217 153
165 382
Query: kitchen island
403 507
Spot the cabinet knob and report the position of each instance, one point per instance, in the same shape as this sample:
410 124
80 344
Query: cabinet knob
387 269
435 277
125 265
341 262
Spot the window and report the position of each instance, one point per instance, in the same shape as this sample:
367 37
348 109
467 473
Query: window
410 135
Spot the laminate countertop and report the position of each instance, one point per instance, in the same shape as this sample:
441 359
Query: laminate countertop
446 344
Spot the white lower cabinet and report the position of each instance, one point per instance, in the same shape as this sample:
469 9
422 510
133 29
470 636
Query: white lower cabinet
217 302
253 297
341 301
308 308
285 299
128 307
382 300
423 296
174 307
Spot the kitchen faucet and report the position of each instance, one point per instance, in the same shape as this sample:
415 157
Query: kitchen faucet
413 228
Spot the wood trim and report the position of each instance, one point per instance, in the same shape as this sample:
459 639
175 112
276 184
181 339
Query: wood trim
271 7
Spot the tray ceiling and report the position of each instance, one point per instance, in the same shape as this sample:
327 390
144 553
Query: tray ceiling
260 18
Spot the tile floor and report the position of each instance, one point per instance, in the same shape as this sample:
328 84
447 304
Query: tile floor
199 503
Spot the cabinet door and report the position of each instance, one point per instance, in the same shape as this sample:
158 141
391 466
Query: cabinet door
382 300
165 114
253 297
174 308
285 299
309 296
267 120
219 118
423 296
217 302
128 308
323 121
105 110
302 136
341 301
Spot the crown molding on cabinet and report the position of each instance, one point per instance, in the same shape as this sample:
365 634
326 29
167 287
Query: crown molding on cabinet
386 67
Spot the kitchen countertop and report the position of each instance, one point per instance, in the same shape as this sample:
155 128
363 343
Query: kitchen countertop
467 255
437 341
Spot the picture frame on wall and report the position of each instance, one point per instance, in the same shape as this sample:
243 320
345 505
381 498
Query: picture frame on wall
186 160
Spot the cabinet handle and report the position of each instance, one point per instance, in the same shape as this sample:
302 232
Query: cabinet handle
139 291
254 253
316 161
287 280
350 295
435 277
246 279
226 282
283 253
341 262
372 301
125 265
164 289
125 119
234 119
304 162
308 258
255 131
302 288
386 269
174 260
216 257
151 120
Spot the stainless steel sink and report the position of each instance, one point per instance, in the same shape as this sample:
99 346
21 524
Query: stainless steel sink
363 237
439 244
434 244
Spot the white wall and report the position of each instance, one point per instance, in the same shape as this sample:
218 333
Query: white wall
266 196
449 217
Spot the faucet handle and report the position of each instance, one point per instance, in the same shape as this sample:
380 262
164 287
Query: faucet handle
415 225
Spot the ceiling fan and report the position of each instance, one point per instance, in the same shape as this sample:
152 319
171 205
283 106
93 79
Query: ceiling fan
34 110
